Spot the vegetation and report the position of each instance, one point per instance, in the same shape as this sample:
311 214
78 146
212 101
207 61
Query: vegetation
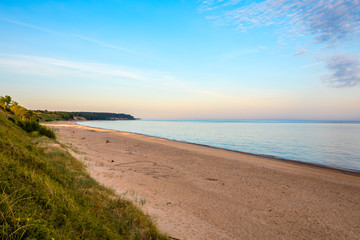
45 193
25 118
46 116
7 104
32 126
5 101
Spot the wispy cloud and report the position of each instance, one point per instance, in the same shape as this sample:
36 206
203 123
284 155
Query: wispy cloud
328 21
54 69
31 26
300 51
100 43
344 71
78 36
44 66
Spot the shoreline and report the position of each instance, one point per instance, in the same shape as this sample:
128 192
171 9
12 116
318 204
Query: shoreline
199 192
274 158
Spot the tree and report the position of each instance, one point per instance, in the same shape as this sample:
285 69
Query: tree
6 101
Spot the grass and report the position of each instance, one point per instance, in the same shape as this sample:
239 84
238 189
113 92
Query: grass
45 193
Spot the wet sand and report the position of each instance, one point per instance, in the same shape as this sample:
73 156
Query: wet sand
199 192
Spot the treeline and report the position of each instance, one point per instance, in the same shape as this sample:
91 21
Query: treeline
24 118
8 104
29 119
47 116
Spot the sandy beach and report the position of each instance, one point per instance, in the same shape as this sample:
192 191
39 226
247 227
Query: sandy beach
199 192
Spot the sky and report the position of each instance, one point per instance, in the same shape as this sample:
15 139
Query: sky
182 59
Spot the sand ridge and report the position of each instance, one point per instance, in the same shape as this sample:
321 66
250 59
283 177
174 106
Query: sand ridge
198 192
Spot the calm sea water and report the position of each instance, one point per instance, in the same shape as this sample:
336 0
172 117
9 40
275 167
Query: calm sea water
333 144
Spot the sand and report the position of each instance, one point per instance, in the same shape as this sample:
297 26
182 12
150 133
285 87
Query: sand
199 192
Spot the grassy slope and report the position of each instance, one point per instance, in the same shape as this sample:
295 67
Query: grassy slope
46 194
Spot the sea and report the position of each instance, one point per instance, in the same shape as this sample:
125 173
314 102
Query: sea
330 143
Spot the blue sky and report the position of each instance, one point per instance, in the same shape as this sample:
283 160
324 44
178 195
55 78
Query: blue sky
214 59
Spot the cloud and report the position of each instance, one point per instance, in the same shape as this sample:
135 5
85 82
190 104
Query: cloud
102 43
54 68
300 51
328 21
31 26
44 66
78 36
344 71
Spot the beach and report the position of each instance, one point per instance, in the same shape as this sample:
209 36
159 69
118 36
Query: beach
199 192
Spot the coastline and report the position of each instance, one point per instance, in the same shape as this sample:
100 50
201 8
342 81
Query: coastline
275 158
201 192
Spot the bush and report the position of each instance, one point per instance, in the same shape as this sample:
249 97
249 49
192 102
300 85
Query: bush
11 119
45 131
31 126
20 124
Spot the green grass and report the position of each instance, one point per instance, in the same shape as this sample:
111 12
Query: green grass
46 194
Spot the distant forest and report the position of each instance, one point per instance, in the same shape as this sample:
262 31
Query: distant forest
46 116
11 106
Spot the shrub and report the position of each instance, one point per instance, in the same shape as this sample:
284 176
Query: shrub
20 124
11 119
31 126
45 131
